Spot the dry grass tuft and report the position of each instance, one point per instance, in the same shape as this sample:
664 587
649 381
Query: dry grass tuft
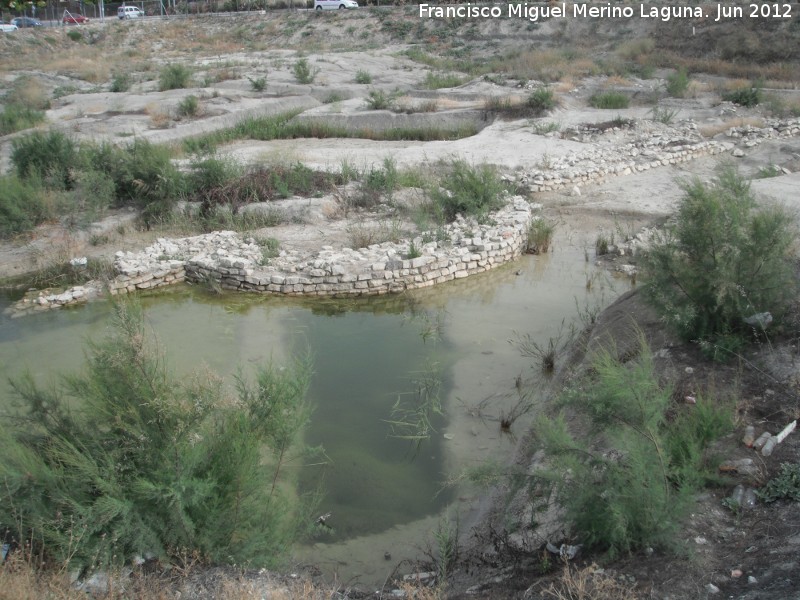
19 580
29 92
159 118
710 131
94 69
616 81
634 50
589 583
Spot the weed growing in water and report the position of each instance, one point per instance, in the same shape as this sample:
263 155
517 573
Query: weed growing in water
540 235
413 413
546 354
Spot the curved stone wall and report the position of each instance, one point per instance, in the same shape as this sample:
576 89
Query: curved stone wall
224 259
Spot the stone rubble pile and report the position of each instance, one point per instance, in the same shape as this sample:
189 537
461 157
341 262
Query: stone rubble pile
646 150
42 300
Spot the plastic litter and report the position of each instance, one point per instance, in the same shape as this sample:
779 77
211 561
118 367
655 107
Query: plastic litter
749 436
737 495
785 432
749 500
769 446
762 439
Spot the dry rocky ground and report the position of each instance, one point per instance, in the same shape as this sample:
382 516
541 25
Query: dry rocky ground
595 171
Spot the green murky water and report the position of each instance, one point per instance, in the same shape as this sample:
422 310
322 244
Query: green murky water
383 493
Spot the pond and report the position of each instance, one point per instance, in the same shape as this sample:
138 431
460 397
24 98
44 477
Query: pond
385 494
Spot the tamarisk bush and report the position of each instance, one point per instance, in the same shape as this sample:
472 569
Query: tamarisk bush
723 259
124 459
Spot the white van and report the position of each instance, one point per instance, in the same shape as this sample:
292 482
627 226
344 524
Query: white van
334 4
129 12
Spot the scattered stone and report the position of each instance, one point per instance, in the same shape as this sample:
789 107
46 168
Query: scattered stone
712 589
751 580
736 573
738 153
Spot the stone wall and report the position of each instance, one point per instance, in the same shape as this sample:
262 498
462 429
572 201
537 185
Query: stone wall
225 260
647 150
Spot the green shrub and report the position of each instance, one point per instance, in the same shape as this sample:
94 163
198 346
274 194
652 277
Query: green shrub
469 190
303 72
378 184
784 486
603 243
16 117
93 192
363 77
211 173
51 156
678 83
435 81
632 491
120 82
690 431
125 460
750 96
188 106
74 35
22 206
723 259
664 115
541 100
143 175
259 84
218 184
174 77
767 172
609 100
379 100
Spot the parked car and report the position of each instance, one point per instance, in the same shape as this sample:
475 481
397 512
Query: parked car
21 22
334 4
74 19
6 27
129 12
